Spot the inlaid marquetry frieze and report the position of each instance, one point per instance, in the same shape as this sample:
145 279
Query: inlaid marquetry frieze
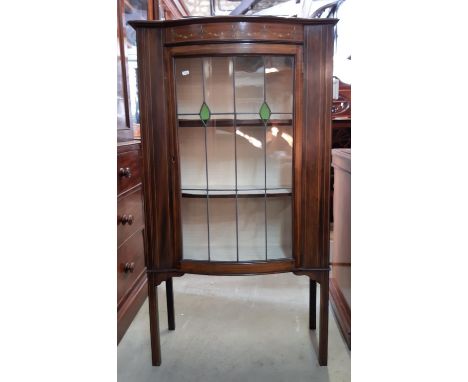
237 31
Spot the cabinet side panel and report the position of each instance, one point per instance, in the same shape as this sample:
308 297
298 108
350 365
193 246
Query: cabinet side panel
155 150
316 146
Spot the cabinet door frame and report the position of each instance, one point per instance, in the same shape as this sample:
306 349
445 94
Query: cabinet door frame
235 49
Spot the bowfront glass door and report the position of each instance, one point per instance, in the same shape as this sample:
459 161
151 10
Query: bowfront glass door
235 136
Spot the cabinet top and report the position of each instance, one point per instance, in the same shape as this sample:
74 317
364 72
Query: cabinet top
232 19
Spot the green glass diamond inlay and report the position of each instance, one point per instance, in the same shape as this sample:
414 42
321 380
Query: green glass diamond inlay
265 112
205 113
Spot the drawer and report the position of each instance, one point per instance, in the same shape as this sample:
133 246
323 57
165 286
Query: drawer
130 264
128 170
129 215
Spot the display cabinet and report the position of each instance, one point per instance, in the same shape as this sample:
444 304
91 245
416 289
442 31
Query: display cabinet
235 122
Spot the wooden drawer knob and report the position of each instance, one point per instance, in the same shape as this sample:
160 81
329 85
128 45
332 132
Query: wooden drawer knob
129 267
126 219
125 172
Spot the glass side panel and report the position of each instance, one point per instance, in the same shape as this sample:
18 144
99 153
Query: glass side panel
222 226
189 85
221 153
249 84
194 227
279 227
279 145
250 136
279 83
219 86
251 215
192 151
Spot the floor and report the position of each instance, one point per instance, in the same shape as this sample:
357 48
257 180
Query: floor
234 328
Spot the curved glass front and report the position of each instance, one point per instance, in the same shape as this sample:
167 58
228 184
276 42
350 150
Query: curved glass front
235 133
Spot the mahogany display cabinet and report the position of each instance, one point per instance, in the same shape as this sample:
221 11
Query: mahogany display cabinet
236 146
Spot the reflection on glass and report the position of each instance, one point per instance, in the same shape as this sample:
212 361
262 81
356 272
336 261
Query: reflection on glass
221 153
219 91
121 120
279 83
194 228
192 153
222 226
251 216
249 78
250 152
189 85
133 10
279 141
279 226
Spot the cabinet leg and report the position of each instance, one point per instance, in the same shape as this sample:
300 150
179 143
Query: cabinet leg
170 304
312 304
323 336
154 323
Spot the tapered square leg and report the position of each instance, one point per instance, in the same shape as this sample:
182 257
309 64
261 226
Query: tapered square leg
154 323
312 304
323 335
170 304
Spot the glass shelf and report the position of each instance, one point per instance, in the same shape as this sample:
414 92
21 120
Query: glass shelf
227 193
235 134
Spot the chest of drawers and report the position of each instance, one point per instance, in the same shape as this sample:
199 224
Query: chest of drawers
131 270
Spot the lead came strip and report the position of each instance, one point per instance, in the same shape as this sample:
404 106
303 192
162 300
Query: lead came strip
233 66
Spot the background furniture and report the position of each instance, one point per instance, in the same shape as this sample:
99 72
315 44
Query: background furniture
171 9
236 143
340 279
131 270
131 275
341 127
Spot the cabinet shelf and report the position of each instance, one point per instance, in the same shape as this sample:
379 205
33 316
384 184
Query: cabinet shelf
225 254
230 193
229 122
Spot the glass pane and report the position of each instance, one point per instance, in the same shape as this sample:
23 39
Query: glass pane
219 86
121 121
279 83
250 137
192 152
265 112
222 225
194 228
221 153
279 227
236 173
249 81
189 85
279 151
251 216
205 113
